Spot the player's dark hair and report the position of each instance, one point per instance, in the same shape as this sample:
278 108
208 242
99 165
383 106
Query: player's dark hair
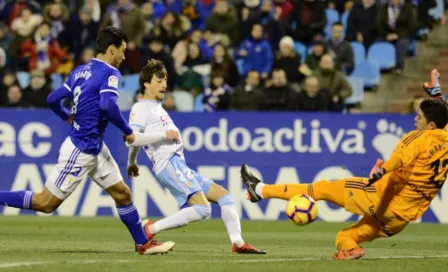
435 111
153 67
110 36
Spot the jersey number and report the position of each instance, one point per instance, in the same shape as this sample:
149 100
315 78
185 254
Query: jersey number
76 94
435 167
185 176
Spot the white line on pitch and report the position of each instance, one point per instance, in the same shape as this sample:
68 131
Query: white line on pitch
20 264
261 260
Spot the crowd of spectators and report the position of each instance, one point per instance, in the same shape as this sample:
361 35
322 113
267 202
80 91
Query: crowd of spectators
237 54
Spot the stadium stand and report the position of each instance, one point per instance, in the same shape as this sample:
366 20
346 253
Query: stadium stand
55 36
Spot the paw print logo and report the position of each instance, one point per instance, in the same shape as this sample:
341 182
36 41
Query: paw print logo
389 136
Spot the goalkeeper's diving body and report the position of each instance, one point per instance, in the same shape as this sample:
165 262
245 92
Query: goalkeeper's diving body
397 192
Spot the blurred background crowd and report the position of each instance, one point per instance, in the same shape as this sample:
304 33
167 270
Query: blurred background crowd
283 55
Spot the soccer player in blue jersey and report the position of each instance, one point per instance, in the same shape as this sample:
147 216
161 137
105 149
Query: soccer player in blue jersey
94 90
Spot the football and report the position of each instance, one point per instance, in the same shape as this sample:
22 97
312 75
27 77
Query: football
301 210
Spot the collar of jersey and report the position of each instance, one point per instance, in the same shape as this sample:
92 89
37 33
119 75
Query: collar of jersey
150 101
105 63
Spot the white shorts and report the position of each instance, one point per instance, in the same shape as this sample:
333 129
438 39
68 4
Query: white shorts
73 166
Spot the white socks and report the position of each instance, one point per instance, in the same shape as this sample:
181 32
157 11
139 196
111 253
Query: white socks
259 189
181 218
231 219
198 212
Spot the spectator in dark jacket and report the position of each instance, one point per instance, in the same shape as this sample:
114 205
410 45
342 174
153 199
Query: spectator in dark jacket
194 56
225 21
423 8
397 23
278 96
57 15
334 81
341 48
128 16
38 90
248 96
83 33
361 26
223 63
312 97
256 53
310 19
288 60
189 79
170 29
318 49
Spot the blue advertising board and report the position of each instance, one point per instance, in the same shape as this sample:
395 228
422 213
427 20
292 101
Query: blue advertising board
280 147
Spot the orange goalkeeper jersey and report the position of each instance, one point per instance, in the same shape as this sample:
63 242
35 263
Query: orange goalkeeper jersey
418 168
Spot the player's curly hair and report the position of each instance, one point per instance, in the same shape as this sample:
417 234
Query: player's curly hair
435 110
153 67
110 36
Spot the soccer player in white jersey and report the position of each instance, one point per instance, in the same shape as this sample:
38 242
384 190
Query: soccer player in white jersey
164 148
94 90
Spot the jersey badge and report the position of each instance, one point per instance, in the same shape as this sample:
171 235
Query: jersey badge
113 82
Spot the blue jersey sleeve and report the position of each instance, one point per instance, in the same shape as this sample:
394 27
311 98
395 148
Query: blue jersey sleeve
54 100
108 100
110 82
69 84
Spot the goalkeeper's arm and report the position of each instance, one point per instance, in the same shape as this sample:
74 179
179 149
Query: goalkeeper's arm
434 90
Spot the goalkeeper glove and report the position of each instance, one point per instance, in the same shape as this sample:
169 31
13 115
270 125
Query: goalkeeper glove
434 89
376 173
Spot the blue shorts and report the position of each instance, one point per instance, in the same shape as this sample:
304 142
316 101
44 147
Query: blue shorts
181 181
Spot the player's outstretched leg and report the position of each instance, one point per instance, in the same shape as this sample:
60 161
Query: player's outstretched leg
230 217
129 216
348 240
331 191
44 202
199 209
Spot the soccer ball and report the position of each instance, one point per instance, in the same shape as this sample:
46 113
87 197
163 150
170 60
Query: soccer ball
301 210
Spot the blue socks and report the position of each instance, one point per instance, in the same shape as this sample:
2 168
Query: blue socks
130 217
16 199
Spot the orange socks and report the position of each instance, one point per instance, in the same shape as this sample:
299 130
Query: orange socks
284 191
331 191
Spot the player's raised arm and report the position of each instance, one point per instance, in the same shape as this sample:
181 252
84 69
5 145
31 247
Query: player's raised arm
434 89
142 139
54 100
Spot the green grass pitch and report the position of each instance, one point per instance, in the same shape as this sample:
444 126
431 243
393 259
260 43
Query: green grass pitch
30 243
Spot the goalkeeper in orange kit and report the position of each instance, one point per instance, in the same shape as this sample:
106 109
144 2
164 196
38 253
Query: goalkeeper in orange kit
397 192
